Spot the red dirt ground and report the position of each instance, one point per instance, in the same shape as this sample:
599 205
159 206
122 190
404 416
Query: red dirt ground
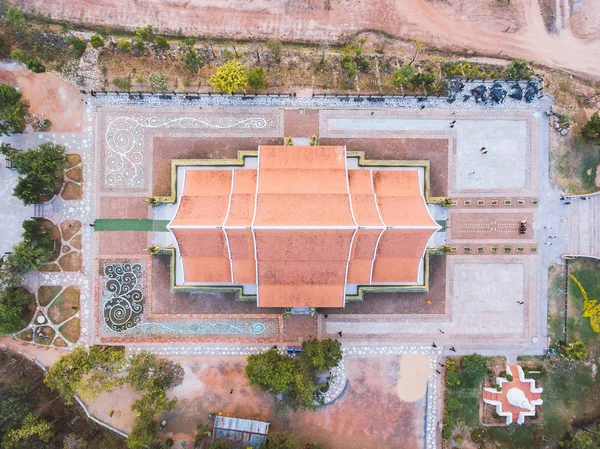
47 94
368 415
480 28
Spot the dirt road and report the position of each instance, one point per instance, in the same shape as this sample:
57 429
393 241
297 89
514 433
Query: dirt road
446 27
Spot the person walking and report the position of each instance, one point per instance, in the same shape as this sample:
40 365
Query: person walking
434 345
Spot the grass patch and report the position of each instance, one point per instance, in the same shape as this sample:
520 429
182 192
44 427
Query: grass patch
54 234
587 271
513 437
46 293
71 329
46 337
65 306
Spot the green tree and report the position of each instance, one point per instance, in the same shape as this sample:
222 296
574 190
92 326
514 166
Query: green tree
4 46
12 110
15 405
256 78
19 56
230 77
147 371
162 44
518 69
192 61
33 426
143 433
403 76
28 257
291 377
35 65
589 438
271 371
322 354
41 171
15 18
86 373
275 48
78 47
13 301
591 130
96 41
474 367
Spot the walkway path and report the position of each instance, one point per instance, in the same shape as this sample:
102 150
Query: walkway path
583 226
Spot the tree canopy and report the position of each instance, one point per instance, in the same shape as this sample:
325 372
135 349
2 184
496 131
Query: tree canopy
33 426
474 367
293 380
41 171
518 69
591 130
86 373
229 77
13 302
12 110
147 371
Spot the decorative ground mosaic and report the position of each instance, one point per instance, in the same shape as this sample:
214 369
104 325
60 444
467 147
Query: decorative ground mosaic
127 151
125 291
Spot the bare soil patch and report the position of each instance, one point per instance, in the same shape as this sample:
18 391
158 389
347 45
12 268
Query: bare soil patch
48 95
70 261
46 293
60 343
73 159
76 242
69 228
415 369
586 23
75 174
71 330
65 306
72 191
369 414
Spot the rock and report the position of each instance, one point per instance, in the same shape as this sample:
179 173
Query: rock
564 132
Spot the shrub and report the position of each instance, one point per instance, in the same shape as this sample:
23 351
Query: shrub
193 61
576 351
19 55
13 301
590 131
162 44
509 378
189 42
322 354
452 379
275 48
123 83
474 367
453 404
78 47
518 69
256 78
446 433
96 41
124 45
403 76
230 77
36 66
478 435
145 34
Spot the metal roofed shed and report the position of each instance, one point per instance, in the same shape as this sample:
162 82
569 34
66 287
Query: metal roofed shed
244 433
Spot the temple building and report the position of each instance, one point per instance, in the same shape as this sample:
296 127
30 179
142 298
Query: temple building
299 226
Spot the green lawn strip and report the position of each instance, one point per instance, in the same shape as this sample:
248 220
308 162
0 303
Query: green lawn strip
513 437
130 224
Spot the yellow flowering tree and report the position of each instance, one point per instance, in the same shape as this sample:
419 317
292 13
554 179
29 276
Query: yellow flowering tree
591 308
230 77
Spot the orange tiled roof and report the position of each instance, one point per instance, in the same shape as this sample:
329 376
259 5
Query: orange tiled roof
301 226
